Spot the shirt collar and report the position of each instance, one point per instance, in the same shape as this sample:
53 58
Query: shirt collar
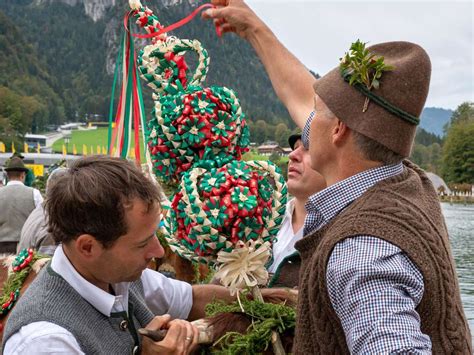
290 207
104 302
14 182
329 202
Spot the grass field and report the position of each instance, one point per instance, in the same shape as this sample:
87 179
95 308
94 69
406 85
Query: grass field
97 138
92 139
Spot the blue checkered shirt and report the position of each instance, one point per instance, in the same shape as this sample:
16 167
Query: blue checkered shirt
373 286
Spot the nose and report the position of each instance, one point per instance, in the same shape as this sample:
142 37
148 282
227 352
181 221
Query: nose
295 154
156 249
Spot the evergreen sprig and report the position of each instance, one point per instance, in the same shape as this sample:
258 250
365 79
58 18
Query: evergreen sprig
360 66
266 317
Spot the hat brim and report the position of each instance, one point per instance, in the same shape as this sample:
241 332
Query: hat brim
293 139
16 169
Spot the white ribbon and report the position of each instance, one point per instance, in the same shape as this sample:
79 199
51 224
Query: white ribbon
244 266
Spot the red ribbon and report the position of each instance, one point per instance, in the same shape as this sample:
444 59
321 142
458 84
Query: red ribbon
173 26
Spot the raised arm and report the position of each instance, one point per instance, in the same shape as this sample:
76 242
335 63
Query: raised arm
291 80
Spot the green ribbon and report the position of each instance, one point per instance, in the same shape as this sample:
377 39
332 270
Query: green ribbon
384 103
112 96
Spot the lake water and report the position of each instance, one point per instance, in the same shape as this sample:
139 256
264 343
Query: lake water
460 222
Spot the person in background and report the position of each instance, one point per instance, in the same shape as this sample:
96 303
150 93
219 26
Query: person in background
302 182
29 176
34 233
17 201
377 273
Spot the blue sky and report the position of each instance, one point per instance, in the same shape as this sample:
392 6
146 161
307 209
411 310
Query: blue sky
319 32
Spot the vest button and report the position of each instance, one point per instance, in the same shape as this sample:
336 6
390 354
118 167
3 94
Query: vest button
136 350
123 325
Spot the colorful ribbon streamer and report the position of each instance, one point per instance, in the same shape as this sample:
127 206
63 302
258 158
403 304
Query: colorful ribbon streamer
130 109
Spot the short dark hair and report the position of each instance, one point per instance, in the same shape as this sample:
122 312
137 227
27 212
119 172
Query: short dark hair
93 196
375 151
14 174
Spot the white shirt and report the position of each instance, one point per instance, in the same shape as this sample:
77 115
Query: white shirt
286 238
162 296
36 193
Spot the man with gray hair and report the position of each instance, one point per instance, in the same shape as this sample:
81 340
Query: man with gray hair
34 233
377 273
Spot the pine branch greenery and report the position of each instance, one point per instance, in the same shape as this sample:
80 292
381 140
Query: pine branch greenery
266 317
359 66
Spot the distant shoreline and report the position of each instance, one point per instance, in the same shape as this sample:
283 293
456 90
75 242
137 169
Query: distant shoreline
466 200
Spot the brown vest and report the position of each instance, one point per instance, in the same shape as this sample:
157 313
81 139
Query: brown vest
403 210
287 273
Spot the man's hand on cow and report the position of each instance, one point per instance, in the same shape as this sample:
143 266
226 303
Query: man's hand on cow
181 337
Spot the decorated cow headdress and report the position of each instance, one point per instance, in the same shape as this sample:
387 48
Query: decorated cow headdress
226 211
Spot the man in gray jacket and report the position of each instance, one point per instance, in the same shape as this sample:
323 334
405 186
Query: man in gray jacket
17 201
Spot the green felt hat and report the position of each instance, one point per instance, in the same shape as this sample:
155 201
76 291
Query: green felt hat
16 164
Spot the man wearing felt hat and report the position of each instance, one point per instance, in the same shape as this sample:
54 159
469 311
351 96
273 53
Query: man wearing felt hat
377 271
16 203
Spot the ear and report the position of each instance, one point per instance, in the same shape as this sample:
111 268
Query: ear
87 246
340 132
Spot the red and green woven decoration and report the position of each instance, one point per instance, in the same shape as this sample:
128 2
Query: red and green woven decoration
190 122
8 305
194 125
21 267
197 136
164 67
217 207
22 260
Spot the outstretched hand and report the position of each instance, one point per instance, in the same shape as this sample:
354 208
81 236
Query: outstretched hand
234 16
181 338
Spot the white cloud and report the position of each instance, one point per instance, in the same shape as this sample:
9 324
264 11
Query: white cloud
319 32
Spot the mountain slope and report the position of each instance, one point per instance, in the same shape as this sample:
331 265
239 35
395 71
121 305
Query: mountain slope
30 96
433 119
80 50
77 40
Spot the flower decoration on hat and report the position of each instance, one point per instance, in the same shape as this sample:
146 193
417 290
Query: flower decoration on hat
360 67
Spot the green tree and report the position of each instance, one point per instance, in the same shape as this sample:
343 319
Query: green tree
258 131
281 134
436 158
464 113
419 155
458 149
426 138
